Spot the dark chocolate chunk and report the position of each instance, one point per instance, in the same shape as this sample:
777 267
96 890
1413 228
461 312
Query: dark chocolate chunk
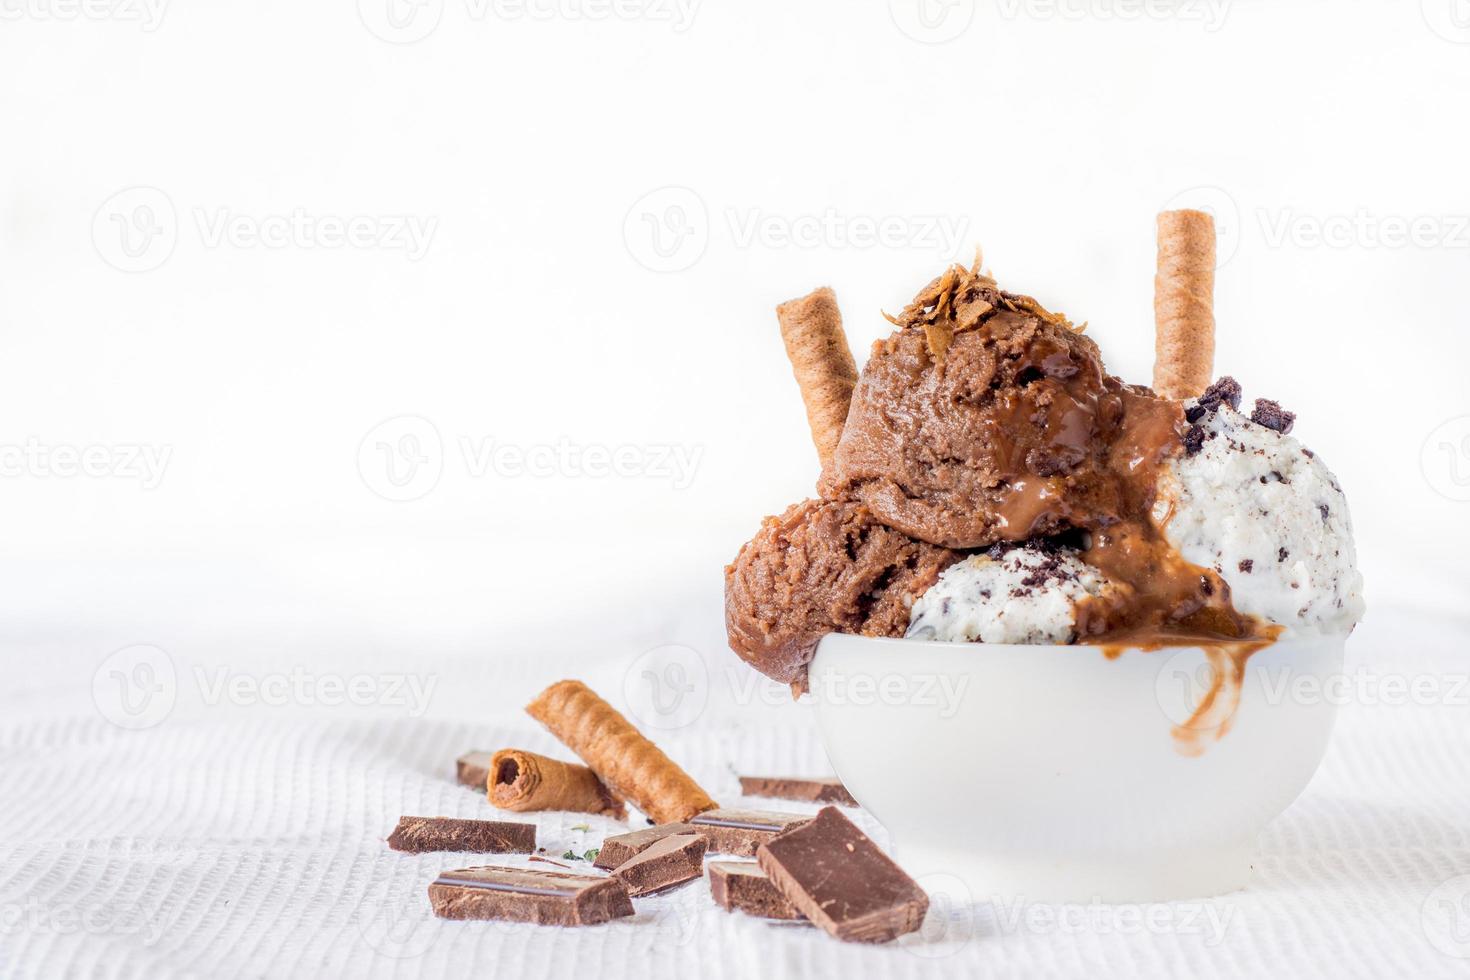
820 790
743 886
1272 416
1246 565
552 898
1194 440
619 848
675 860
1226 390
473 770
419 835
740 832
839 879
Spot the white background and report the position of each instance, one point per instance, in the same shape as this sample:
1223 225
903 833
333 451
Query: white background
540 147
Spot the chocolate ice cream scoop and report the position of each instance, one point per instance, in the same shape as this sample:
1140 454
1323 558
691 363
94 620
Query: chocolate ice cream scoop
822 567
986 418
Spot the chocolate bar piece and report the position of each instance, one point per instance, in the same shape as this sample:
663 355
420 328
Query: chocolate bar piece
743 886
740 832
839 879
473 770
552 898
675 860
818 790
419 835
619 848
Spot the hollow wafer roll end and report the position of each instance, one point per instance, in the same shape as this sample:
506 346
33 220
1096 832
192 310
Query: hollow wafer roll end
811 328
629 764
1184 302
523 781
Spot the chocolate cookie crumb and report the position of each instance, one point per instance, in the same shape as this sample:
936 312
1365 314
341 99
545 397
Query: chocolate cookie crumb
1246 564
1282 554
1325 510
1194 440
1226 390
1272 416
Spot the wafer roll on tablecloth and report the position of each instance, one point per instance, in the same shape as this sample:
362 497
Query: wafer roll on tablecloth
811 328
524 781
1184 304
629 764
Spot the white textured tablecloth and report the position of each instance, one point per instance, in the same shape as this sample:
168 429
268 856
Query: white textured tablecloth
244 837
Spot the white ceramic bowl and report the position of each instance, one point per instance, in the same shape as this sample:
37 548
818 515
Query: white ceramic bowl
1053 773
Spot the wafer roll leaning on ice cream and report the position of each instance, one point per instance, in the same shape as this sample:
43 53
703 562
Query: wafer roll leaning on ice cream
524 781
811 328
631 766
1184 304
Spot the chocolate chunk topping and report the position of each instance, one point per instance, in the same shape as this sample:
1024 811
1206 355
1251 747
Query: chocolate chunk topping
740 832
419 835
740 885
473 769
1246 565
1272 416
552 898
1194 440
1282 554
675 860
1226 390
620 848
839 879
820 790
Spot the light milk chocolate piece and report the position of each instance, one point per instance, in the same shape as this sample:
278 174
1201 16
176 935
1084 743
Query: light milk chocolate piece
551 898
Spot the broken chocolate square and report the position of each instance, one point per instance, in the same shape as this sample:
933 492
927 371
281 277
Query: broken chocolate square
619 848
552 898
740 832
808 790
420 835
743 886
835 876
675 860
473 770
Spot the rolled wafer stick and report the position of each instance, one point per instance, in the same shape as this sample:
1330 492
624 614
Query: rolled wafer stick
1184 299
630 765
524 781
811 327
